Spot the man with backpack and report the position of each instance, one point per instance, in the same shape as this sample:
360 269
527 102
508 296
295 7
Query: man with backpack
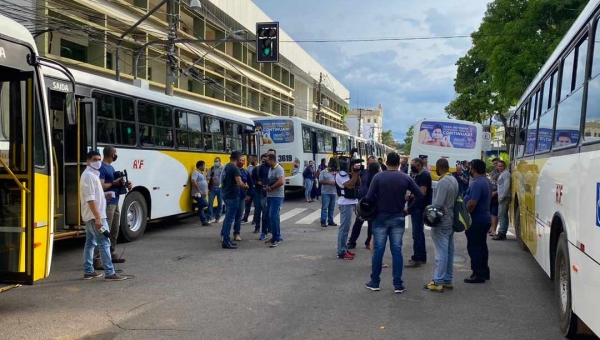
214 188
442 233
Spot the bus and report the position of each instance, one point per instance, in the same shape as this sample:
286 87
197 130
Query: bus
555 205
26 165
159 139
455 140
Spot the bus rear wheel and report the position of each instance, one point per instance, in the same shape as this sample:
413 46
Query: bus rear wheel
562 285
134 216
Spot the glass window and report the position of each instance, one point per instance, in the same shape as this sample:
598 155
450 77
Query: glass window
306 139
116 120
213 134
531 110
567 120
188 130
545 131
328 142
531 139
156 125
554 89
233 140
546 96
592 118
582 50
39 143
567 75
13 100
320 141
596 60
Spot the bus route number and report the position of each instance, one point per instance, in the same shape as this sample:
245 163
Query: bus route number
284 158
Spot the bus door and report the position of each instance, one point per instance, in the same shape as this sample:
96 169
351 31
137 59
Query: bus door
73 135
315 145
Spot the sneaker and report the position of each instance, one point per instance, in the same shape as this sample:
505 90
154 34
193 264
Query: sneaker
237 237
474 279
217 220
499 237
323 225
90 276
206 224
372 286
280 239
448 285
349 252
432 287
273 244
244 222
115 277
413 264
256 231
346 256
399 289
229 246
331 224
351 245
262 237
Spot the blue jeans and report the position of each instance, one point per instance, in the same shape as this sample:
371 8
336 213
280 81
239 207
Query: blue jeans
237 224
202 203
266 227
308 185
394 228
257 208
93 238
443 240
503 217
418 235
247 207
215 192
346 212
327 208
274 210
232 209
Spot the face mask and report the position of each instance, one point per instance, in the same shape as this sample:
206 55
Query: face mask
217 164
96 165
414 169
115 157
437 135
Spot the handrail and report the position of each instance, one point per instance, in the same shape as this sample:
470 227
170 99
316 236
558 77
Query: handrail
14 177
57 200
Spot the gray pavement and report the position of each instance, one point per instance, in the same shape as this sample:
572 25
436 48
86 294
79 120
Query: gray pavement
187 287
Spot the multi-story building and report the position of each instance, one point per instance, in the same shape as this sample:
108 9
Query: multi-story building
85 34
366 123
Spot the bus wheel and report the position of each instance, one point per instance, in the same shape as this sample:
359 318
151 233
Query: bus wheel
134 216
562 285
518 227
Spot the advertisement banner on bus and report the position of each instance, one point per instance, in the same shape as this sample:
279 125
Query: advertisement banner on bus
450 135
275 131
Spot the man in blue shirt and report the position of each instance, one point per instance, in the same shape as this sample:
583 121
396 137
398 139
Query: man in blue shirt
263 175
245 196
478 199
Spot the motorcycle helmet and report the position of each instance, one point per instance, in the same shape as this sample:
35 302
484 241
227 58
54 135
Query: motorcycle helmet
433 215
366 210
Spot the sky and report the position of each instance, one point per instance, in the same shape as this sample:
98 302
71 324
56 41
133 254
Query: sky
410 79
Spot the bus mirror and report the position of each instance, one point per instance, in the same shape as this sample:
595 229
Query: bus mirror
71 107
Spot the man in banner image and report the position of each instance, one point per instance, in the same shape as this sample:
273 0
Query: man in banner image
436 138
563 139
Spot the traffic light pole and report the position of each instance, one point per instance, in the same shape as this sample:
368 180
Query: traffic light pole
319 98
173 26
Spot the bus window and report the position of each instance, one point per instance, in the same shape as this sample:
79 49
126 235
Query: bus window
306 139
568 118
156 125
189 130
213 134
328 143
233 139
567 75
116 120
320 141
582 52
545 131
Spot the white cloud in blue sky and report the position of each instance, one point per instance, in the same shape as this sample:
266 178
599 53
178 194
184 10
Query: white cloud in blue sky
410 79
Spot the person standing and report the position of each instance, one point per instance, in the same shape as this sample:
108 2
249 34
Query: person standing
494 205
365 176
380 161
503 200
309 178
478 199
232 181
426 166
329 194
387 191
199 191
442 234
348 185
275 195
248 204
93 213
245 196
404 165
463 182
320 169
423 180
215 191
110 183
258 192
263 175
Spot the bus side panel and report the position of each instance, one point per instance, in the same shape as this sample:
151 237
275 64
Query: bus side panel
584 288
42 225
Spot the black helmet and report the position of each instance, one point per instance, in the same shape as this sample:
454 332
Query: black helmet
366 210
433 215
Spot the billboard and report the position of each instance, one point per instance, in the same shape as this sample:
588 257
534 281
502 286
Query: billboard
545 140
275 131
446 134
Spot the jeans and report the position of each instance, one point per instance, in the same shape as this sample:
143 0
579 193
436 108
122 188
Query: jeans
257 209
113 218
93 238
477 247
202 203
308 185
346 212
215 192
247 206
418 235
394 228
503 217
328 208
443 240
237 224
274 210
266 227
232 209
356 228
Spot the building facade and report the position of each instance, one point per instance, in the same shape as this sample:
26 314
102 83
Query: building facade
85 35
366 123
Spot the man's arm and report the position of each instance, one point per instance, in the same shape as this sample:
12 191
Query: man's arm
372 193
87 190
439 196
419 197
280 179
353 182
475 196
323 181
194 183
250 191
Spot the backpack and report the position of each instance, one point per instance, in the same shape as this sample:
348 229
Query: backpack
462 218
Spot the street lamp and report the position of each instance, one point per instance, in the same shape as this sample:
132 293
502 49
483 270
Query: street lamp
195 4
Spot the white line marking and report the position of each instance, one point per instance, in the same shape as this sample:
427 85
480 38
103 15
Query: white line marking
291 214
337 219
310 218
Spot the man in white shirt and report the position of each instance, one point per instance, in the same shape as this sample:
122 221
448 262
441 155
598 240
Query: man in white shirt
348 184
93 213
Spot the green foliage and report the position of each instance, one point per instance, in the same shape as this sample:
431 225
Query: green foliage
511 45
388 139
408 140
344 112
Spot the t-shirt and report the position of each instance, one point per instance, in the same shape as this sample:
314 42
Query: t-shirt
107 173
480 190
364 182
445 196
217 174
201 181
274 174
341 178
388 189
91 190
424 180
229 185
246 178
327 189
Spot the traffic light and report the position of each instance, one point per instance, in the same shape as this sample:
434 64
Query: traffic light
267 42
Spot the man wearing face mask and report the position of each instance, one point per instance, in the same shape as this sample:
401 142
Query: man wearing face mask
93 213
214 187
111 184
245 196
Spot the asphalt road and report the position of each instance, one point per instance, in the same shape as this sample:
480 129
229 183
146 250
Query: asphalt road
187 287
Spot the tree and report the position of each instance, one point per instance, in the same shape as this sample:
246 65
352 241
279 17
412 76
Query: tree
408 140
388 139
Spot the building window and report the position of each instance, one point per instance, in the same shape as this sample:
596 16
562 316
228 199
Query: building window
71 50
149 73
109 60
190 85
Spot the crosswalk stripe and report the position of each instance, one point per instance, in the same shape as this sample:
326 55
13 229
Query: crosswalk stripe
291 214
310 218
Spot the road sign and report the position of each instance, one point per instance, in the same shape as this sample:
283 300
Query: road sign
487 136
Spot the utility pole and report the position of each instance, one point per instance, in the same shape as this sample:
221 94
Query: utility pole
173 27
319 98
359 121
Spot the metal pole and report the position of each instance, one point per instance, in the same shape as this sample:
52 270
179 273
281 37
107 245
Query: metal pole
173 23
359 122
319 98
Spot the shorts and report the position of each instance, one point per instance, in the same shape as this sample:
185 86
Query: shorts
494 209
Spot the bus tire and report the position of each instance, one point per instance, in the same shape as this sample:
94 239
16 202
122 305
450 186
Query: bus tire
562 285
134 216
520 242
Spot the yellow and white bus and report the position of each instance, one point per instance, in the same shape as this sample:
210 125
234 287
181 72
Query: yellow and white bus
26 165
556 189
455 140
159 139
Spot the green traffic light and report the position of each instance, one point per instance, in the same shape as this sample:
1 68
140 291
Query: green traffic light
128 130
267 51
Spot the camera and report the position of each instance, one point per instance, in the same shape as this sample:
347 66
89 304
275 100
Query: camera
124 181
344 163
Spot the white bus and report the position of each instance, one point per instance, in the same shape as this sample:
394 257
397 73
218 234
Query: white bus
455 140
555 183
159 139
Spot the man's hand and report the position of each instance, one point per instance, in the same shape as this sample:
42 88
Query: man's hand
117 182
129 185
98 223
